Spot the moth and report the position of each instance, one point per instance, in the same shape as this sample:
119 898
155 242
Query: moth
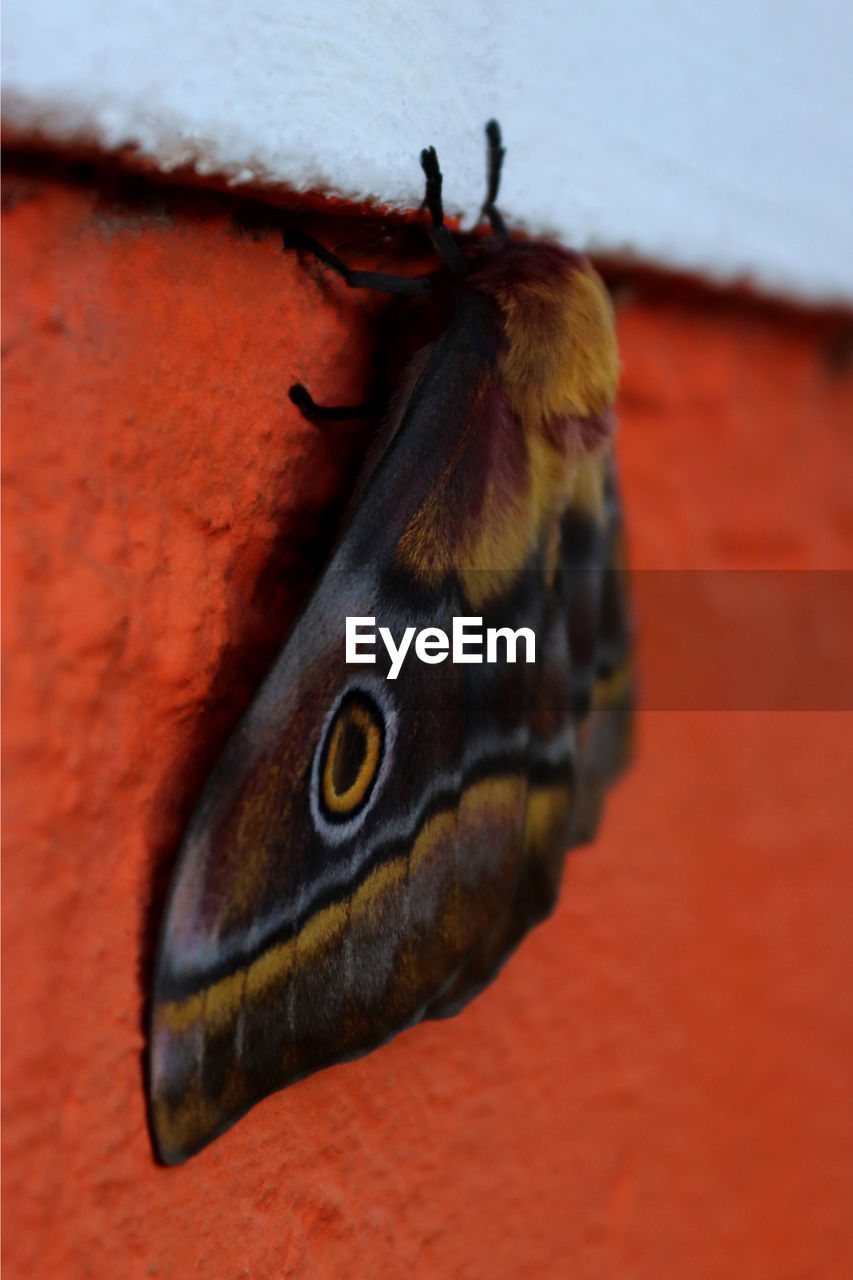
367 853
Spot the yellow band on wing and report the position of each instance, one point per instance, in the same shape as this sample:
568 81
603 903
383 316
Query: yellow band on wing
221 1001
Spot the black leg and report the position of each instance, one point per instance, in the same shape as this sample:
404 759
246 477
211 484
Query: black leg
445 246
301 397
377 280
496 154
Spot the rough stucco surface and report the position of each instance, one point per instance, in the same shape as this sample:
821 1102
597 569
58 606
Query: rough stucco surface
660 1082
712 138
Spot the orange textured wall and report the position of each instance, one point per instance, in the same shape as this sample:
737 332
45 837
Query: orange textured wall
661 1081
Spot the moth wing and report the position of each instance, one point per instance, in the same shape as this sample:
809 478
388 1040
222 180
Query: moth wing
608 694
586 683
358 835
368 851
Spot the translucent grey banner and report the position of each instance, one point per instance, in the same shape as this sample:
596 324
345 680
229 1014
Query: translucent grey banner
704 640
744 639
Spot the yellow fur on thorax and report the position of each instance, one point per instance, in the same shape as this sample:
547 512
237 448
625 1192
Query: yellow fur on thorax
560 362
561 358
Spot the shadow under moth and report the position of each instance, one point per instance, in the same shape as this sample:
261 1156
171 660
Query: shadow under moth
367 853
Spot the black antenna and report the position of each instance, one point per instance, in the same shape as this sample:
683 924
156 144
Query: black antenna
495 154
445 246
